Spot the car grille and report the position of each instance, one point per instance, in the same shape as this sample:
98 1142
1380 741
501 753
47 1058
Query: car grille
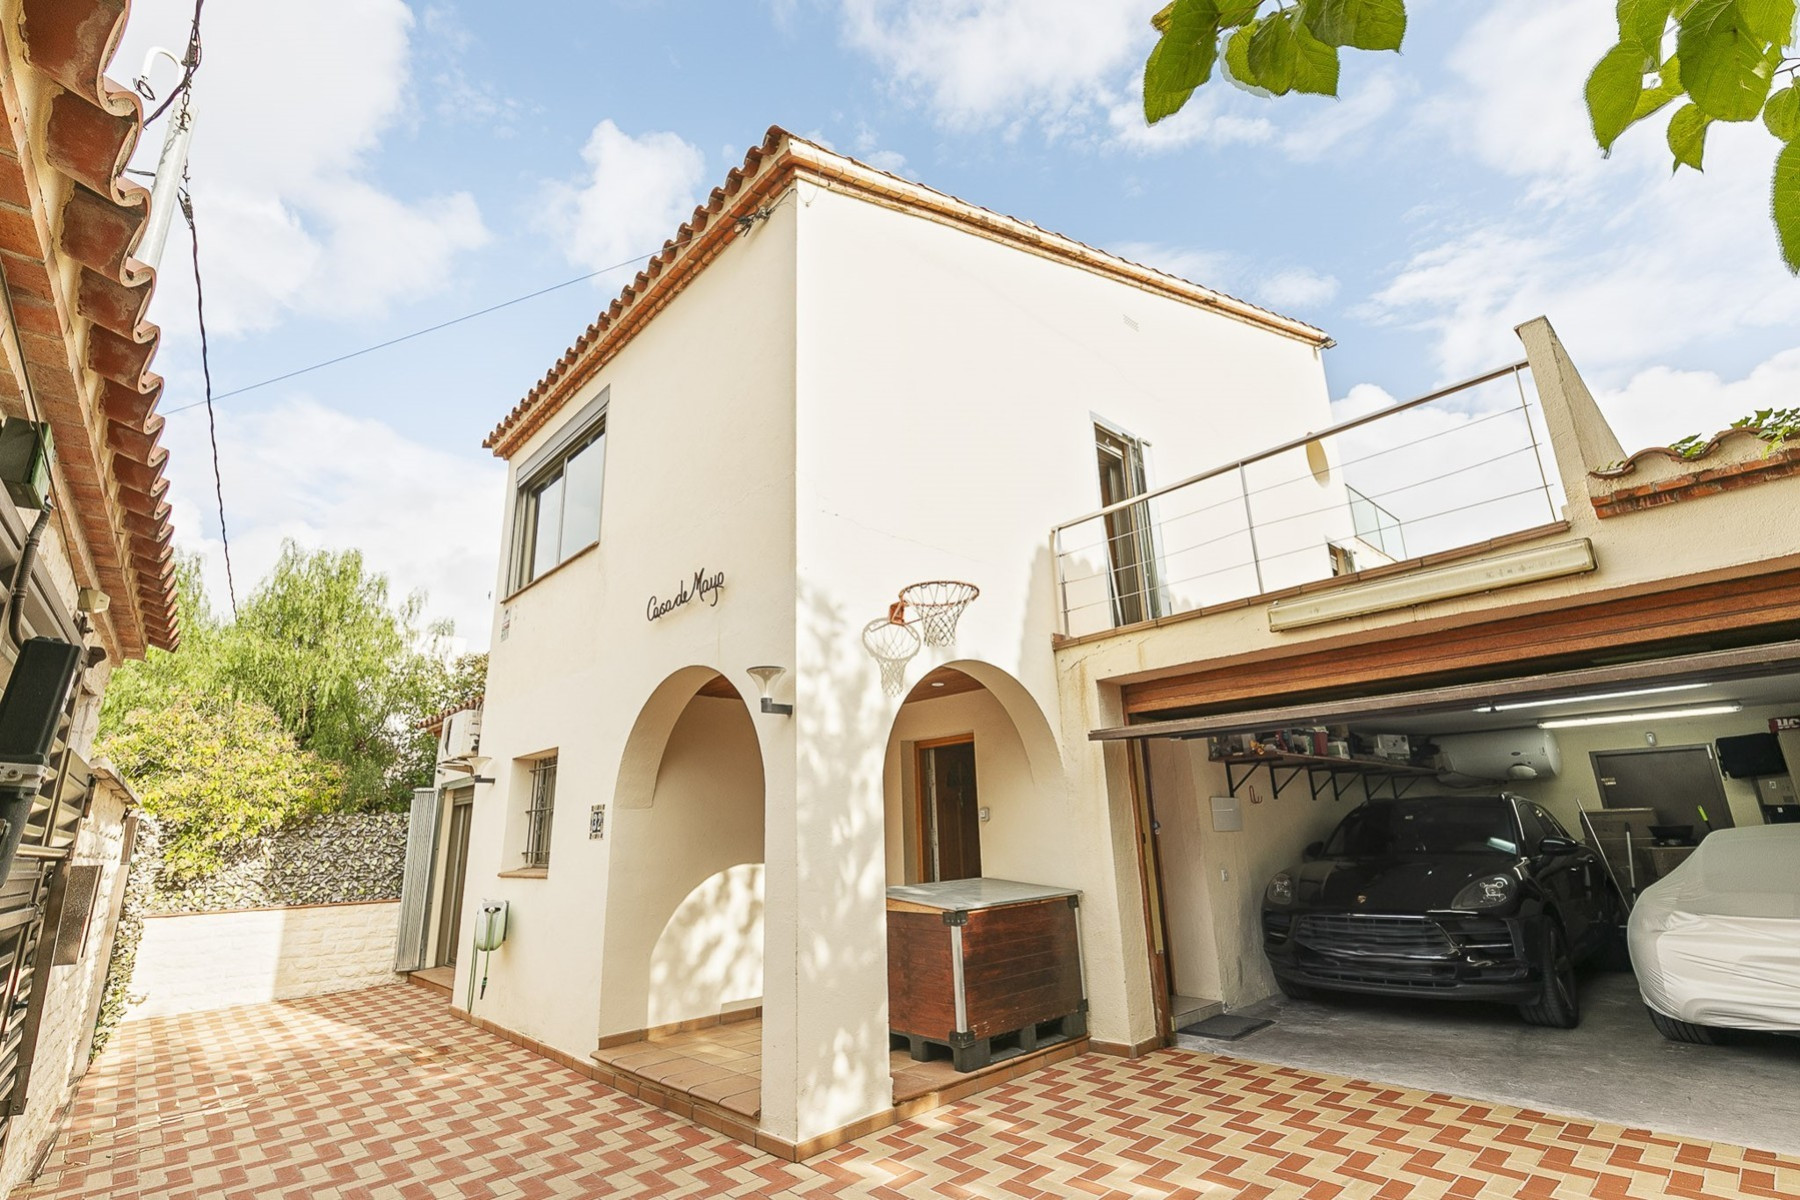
1359 936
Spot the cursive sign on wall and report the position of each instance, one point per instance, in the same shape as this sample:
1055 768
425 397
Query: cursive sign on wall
706 586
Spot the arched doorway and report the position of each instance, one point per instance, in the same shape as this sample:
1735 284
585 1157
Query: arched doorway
684 894
974 783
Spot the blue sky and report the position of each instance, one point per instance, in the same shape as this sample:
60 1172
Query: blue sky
365 168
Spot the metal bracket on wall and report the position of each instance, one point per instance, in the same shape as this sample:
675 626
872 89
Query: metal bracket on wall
956 918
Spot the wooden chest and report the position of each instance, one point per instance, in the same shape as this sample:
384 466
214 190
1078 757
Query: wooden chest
986 968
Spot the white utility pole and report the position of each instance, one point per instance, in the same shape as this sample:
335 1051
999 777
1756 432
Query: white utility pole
170 167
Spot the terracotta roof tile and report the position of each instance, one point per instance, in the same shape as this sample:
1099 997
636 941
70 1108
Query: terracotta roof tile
765 168
88 346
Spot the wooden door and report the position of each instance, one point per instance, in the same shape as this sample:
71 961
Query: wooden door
1676 781
456 866
949 819
1156 917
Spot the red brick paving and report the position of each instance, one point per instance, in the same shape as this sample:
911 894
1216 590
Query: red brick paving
382 1095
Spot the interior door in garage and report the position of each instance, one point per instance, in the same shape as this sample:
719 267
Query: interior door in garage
1677 782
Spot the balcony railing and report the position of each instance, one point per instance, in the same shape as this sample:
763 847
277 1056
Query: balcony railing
1451 468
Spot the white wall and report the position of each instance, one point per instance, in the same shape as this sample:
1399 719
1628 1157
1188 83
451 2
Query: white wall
848 400
197 961
699 473
946 423
1213 881
1575 788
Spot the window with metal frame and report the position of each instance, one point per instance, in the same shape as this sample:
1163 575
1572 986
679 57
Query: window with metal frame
538 812
558 510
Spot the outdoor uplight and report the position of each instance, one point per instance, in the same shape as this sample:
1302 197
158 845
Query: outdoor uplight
765 679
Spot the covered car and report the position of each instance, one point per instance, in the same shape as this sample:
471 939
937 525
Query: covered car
1716 942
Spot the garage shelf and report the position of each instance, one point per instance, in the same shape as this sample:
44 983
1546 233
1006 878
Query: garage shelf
1324 773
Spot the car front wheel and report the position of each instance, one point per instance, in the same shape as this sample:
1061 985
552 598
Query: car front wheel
1682 1031
1558 1005
1295 991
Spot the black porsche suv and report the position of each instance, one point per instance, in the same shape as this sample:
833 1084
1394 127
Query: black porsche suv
1465 897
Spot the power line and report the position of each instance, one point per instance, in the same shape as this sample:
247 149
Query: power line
417 333
189 64
212 425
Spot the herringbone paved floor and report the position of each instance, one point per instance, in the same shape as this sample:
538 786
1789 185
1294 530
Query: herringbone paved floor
382 1094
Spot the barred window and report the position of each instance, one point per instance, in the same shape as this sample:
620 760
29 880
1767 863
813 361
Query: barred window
537 812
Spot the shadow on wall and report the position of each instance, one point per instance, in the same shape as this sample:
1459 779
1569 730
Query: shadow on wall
842 759
710 954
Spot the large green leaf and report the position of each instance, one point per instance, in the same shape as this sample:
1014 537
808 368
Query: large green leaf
1782 113
1613 91
1641 24
1237 61
1183 59
1667 88
1785 204
1315 64
1769 20
1724 66
1233 13
1687 136
1362 24
1274 55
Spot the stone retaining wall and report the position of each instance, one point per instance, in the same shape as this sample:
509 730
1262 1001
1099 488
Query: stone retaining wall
325 860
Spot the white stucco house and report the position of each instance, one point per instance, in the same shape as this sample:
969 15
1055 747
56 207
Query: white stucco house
834 383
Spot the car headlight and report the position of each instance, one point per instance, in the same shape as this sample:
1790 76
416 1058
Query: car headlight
1491 891
1280 890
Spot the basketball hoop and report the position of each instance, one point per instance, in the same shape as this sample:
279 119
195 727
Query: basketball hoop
892 644
938 603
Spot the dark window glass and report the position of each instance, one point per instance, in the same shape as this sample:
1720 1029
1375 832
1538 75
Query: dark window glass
559 508
1440 825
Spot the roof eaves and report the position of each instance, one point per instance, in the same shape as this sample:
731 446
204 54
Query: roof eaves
87 344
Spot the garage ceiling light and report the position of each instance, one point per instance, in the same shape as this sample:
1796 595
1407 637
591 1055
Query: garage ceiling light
1654 714
1591 696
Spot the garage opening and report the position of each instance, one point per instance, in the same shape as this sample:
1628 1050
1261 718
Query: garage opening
1639 762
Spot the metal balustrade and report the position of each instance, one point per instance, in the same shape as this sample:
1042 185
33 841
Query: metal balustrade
1452 468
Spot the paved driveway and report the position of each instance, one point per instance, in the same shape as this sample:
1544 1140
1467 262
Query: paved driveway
382 1094
1614 1067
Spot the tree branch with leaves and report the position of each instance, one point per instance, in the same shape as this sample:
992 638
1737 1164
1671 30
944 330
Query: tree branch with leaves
1729 60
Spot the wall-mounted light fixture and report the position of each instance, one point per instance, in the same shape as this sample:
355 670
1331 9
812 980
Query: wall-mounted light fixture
1652 714
1591 697
765 679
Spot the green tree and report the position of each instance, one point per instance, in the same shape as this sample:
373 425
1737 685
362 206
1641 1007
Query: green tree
215 770
350 674
1723 58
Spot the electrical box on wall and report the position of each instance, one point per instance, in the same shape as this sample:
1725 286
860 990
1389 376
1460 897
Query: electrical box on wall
25 448
1227 814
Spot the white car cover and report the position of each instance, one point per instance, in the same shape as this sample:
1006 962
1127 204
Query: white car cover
1717 940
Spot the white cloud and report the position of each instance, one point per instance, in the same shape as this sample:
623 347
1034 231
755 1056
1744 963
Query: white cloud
291 103
1297 287
1280 287
1317 129
1204 120
426 518
979 63
1631 264
635 193
1660 405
